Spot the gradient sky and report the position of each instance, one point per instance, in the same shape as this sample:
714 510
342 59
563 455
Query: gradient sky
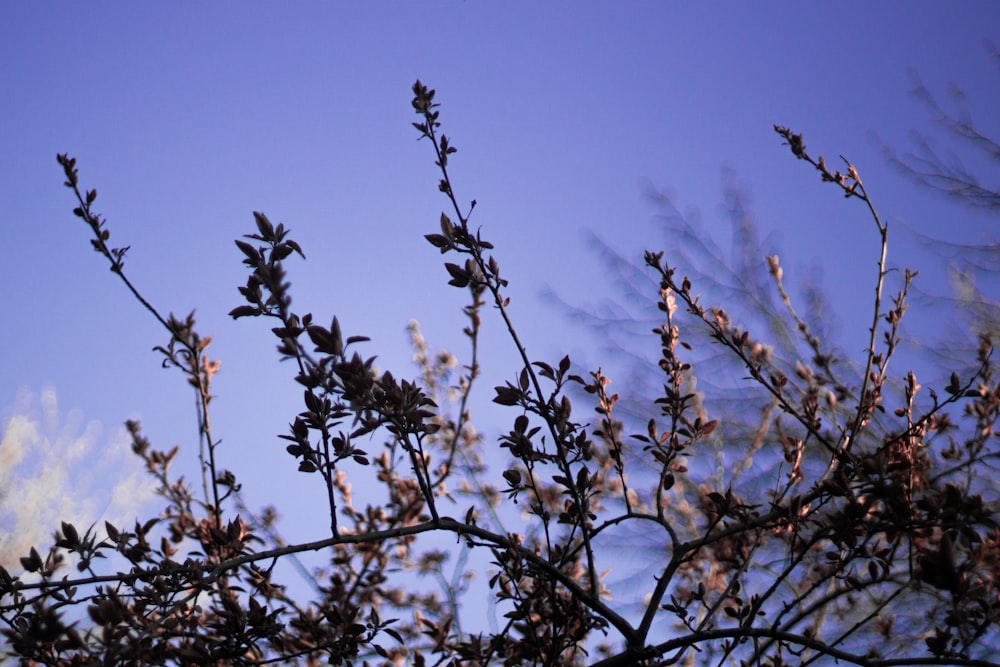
188 116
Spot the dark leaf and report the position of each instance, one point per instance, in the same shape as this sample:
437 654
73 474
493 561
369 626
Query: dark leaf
264 226
437 240
507 396
244 311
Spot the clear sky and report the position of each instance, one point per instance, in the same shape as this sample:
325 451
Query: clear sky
188 116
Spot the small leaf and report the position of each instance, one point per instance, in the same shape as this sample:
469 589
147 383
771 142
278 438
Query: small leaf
244 311
69 532
112 531
32 562
521 424
264 225
564 364
507 396
437 240
296 247
545 370
253 257
338 337
459 276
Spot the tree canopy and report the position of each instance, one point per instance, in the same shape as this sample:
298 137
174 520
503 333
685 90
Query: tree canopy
868 535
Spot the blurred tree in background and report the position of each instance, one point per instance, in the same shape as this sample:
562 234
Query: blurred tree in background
968 173
799 511
739 275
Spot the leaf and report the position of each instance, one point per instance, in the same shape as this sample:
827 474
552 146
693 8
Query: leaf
253 256
112 531
954 385
507 396
32 562
521 424
280 252
264 225
459 276
437 240
447 227
338 337
318 335
544 369
244 311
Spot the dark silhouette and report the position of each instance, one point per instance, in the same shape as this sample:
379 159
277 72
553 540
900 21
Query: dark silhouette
872 543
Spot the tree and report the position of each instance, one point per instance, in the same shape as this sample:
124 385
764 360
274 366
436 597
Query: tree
975 188
874 542
740 275
947 174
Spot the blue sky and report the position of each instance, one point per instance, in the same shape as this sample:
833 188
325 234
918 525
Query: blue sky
188 116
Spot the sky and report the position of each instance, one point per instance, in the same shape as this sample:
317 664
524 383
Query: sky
186 117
